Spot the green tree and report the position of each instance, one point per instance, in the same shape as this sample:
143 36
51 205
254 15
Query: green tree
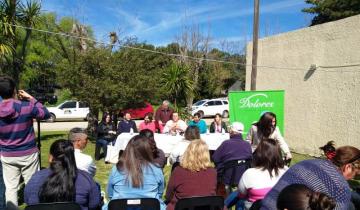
330 10
176 80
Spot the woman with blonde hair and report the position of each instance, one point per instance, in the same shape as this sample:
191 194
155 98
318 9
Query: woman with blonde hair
194 177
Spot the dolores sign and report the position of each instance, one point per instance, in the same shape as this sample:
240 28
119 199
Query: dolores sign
247 106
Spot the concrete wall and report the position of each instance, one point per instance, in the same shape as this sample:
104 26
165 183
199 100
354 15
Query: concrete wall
320 105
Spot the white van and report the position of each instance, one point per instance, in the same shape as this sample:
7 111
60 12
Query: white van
69 110
210 107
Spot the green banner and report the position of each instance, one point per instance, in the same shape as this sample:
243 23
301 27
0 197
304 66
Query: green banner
248 106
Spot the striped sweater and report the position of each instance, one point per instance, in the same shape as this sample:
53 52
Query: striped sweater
17 136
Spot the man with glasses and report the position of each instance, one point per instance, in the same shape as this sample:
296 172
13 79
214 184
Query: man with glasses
79 138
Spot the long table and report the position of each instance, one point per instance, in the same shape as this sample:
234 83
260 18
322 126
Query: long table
164 142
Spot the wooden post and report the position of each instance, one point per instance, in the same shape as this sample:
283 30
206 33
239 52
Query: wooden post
255 45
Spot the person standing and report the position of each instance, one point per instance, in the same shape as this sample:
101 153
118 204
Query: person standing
163 115
19 153
2 185
126 125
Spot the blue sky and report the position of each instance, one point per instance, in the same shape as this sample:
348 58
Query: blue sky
158 22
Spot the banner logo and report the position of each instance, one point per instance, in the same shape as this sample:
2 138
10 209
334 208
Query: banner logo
256 101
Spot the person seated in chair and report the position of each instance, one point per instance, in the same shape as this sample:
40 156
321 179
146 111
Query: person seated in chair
175 125
233 149
62 181
127 124
197 121
194 177
218 126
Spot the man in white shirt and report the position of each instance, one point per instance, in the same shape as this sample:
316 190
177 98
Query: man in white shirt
79 139
175 125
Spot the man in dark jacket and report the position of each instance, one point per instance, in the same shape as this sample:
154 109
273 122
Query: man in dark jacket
233 149
126 125
163 114
19 153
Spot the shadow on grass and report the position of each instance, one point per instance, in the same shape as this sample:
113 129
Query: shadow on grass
46 137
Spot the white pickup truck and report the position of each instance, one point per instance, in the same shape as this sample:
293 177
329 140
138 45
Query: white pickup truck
69 110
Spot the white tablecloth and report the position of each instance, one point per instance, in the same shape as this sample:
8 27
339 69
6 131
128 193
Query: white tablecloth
164 142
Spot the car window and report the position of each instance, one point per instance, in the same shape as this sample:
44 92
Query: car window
83 105
225 102
210 103
68 105
217 103
199 103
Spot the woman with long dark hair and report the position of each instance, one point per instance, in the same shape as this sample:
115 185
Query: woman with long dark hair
62 181
159 158
267 168
135 175
105 135
266 128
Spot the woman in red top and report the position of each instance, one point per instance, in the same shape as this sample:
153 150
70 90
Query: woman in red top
194 177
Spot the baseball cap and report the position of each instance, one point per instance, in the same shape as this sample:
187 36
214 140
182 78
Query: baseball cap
237 127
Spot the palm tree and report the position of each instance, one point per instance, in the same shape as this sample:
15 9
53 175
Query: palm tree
176 81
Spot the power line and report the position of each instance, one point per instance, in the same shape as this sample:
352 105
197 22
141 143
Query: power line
317 68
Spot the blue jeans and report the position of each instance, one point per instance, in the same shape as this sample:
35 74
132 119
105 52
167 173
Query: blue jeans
233 199
101 143
2 190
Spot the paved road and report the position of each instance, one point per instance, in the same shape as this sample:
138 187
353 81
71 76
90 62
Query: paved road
66 126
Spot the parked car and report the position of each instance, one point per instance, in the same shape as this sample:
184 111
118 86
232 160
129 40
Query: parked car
139 111
69 110
209 107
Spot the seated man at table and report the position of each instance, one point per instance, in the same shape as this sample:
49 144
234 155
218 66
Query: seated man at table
126 125
175 125
233 149
198 122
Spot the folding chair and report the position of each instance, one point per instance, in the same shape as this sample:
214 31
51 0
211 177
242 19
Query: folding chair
134 204
54 206
200 203
232 172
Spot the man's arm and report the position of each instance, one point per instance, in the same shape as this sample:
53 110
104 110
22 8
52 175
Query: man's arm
38 111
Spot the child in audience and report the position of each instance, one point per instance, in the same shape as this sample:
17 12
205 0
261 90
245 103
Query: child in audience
300 197
135 175
62 181
194 177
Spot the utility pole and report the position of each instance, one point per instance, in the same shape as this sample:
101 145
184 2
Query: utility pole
255 45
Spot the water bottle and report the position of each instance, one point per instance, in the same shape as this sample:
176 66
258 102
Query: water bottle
223 131
131 131
207 132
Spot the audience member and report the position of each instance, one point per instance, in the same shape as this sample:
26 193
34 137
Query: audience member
79 139
19 153
159 158
135 176
266 128
330 152
300 197
191 133
2 185
126 125
268 167
148 123
194 176
105 135
62 182
163 115
175 126
324 176
233 149
218 126
197 121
